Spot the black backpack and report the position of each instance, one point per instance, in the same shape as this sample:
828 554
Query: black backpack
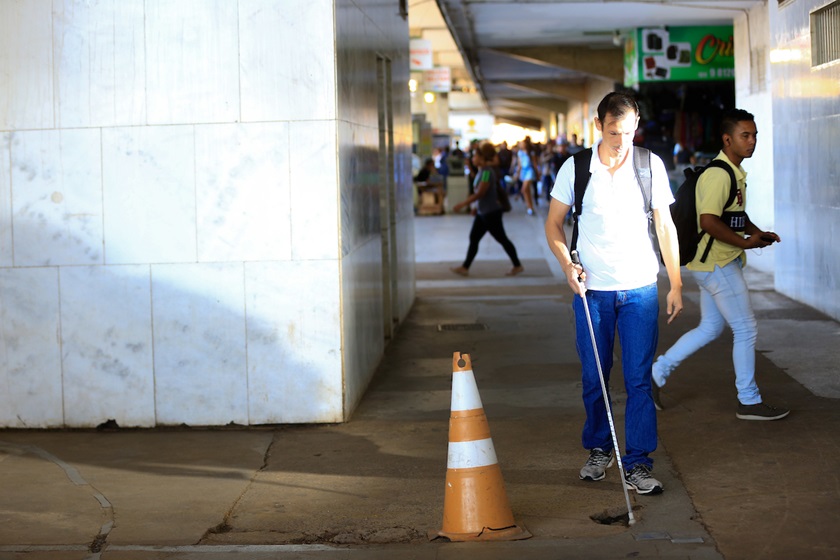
641 167
684 210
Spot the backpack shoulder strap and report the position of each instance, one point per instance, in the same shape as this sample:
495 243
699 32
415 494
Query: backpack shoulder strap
641 160
733 182
644 176
583 159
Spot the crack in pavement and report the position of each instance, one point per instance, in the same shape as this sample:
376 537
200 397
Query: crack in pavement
76 478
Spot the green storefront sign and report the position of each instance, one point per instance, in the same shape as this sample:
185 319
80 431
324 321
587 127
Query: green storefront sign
679 54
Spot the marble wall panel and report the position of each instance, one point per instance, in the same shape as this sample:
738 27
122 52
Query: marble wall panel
356 62
106 345
57 197
314 184
100 63
6 252
192 50
199 337
243 192
149 194
806 116
26 61
360 189
294 342
287 53
30 360
363 324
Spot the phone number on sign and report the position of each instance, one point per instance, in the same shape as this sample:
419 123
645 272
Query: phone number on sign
721 73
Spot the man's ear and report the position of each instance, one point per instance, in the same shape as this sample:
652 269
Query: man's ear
598 125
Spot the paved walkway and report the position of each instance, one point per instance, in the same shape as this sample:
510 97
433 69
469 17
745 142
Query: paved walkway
373 488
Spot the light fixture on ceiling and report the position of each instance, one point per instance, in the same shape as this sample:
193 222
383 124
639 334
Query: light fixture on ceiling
617 39
429 97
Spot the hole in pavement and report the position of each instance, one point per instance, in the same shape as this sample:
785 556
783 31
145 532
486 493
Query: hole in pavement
613 516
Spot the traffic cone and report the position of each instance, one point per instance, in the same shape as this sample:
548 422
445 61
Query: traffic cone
475 506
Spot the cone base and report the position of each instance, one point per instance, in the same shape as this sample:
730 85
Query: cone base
513 533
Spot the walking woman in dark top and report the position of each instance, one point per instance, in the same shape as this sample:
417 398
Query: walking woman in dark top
489 212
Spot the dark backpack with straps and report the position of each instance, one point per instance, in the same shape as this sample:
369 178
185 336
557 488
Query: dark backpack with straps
684 211
641 167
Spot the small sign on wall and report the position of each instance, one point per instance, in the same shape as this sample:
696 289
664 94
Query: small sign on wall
438 80
420 54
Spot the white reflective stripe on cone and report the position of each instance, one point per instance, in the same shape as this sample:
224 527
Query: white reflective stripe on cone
471 454
464 391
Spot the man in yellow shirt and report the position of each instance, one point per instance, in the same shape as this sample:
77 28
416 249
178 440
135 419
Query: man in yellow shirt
724 296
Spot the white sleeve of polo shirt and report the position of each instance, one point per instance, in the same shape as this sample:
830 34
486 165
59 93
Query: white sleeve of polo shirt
564 185
661 195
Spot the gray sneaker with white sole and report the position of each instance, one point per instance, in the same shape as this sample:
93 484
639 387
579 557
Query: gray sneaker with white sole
596 466
639 479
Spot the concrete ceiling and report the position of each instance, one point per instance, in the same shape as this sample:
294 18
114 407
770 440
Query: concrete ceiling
527 58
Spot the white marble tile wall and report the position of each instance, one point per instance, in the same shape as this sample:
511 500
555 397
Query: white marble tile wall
199 344
314 190
177 166
100 61
806 120
30 361
287 57
26 54
57 203
6 251
192 55
294 345
756 98
366 34
106 344
363 322
243 192
149 194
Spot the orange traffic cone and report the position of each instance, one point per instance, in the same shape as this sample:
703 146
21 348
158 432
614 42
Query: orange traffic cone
475 506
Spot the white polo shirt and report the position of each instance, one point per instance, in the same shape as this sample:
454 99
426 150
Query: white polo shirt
613 241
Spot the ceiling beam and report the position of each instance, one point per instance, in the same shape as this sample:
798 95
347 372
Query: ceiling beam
517 107
544 103
603 63
525 122
553 88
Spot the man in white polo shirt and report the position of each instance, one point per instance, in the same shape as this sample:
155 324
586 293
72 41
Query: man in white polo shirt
619 266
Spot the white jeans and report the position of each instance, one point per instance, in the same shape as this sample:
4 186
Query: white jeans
724 299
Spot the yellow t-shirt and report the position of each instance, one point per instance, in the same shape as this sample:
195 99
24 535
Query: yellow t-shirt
712 193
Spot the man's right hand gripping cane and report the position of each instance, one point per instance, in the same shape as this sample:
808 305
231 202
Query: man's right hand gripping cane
575 275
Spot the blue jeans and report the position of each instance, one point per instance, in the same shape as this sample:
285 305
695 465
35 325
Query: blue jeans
634 314
724 299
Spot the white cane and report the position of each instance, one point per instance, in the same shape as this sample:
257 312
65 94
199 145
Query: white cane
630 518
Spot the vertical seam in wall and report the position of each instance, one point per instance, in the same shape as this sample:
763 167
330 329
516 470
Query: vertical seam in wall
60 346
52 67
195 190
245 328
11 136
340 255
152 328
239 57
102 193
145 66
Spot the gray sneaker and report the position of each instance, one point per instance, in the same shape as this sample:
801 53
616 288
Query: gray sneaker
639 479
760 411
597 464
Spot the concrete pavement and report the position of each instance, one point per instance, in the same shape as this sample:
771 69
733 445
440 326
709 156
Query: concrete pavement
373 488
